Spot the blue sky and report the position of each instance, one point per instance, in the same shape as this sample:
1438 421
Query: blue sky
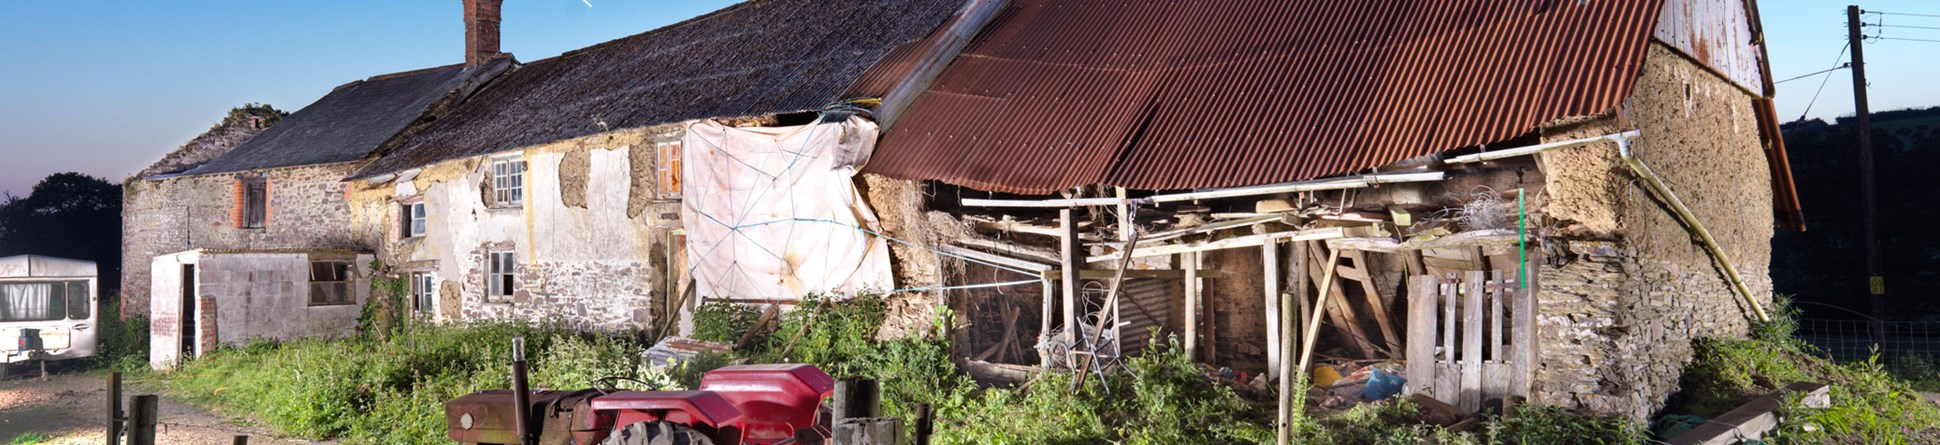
106 87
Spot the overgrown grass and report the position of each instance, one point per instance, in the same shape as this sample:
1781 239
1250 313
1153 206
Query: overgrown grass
29 439
392 390
1869 405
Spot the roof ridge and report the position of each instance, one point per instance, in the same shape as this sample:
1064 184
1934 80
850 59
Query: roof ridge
670 27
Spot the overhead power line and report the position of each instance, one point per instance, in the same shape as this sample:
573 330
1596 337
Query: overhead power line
1906 14
1836 64
1814 73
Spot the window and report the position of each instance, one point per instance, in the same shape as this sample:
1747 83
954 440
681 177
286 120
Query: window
44 301
668 182
252 203
421 292
508 182
499 281
329 283
413 219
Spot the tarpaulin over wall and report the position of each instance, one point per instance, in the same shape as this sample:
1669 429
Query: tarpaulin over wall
773 213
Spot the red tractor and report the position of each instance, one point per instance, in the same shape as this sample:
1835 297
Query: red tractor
749 404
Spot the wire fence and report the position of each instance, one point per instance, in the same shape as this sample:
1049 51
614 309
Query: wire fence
1852 340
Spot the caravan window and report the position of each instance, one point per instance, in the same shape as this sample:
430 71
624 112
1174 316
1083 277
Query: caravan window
43 301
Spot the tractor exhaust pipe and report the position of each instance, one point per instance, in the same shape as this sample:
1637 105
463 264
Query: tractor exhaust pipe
521 395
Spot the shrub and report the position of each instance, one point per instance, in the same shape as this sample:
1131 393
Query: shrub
723 321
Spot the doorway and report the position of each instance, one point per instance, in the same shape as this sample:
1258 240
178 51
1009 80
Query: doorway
188 311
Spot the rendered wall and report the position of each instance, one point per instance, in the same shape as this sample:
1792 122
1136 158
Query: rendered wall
590 239
245 297
1627 288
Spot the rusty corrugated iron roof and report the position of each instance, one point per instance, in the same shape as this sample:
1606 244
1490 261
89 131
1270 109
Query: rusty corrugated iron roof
1176 94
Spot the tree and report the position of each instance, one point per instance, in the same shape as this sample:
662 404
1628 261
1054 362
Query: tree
69 215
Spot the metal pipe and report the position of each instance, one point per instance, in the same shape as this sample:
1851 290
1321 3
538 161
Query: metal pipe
1533 149
1656 186
520 394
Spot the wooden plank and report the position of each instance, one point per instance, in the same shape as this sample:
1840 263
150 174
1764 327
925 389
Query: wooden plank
1450 264
1496 294
1338 311
1448 383
1450 291
1472 341
1101 274
1069 256
1232 243
1374 302
1270 284
1495 381
1313 324
1473 239
1044 323
1753 419
1285 330
1423 293
1300 293
1190 260
1522 359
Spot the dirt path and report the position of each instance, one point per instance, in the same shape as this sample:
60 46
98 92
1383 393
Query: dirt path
71 408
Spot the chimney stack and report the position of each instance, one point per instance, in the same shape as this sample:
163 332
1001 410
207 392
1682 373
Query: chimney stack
481 31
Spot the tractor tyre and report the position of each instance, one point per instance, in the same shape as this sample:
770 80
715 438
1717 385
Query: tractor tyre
657 433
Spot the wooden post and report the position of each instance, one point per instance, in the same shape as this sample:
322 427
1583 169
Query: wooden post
1191 260
1070 259
1320 307
142 417
1044 323
925 423
869 431
1423 294
240 440
1471 392
855 399
1286 374
1270 257
114 408
1300 292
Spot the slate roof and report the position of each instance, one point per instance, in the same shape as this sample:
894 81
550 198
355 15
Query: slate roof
351 121
755 58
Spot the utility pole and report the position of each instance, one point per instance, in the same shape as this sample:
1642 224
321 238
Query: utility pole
1875 277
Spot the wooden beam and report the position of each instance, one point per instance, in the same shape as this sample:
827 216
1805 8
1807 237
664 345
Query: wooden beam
1313 324
1423 294
1012 226
1217 226
1339 312
1044 323
1270 284
1101 274
1042 204
1026 253
1230 243
1388 334
1459 240
1190 260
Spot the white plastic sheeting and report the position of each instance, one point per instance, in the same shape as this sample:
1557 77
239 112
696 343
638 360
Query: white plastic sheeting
772 213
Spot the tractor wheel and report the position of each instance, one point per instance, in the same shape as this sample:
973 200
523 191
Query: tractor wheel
657 433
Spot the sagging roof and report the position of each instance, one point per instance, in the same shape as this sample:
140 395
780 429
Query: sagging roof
36 266
351 121
1164 94
755 58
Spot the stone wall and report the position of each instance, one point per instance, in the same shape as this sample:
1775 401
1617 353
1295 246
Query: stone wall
1626 288
590 241
307 210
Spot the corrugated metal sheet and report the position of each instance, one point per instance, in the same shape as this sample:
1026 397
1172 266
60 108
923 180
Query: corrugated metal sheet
1176 94
1718 34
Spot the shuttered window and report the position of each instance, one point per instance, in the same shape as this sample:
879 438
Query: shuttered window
329 283
255 203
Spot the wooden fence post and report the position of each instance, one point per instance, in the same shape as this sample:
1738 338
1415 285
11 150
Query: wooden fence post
869 431
241 440
115 417
856 398
925 423
142 413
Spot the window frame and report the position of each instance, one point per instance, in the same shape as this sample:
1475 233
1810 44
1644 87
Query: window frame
667 178
415 219
501 275
343 280
61 300
508 181
423 290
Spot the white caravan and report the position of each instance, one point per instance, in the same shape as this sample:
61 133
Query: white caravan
53 295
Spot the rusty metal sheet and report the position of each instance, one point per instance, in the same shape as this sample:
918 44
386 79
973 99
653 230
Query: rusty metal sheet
1719 34
1177 94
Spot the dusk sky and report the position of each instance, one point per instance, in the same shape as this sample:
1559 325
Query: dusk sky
107 87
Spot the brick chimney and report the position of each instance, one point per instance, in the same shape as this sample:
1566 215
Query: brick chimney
481 31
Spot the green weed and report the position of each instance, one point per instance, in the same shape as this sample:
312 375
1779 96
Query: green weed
29 439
